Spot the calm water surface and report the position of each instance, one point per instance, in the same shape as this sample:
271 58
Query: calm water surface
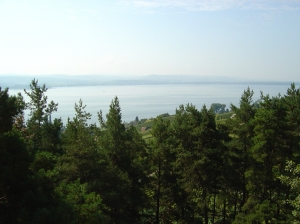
147 101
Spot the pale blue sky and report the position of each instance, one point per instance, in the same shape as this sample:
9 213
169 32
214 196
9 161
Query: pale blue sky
257 39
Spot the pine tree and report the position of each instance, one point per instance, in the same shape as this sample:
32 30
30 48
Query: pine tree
82 169
292 104
125 150
268 158
168 200
14 160
198 160
11 107
291 180
242 131
38 123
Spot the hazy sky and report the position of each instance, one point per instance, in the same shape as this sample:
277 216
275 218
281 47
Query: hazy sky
257 39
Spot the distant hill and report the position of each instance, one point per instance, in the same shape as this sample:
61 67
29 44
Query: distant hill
23 81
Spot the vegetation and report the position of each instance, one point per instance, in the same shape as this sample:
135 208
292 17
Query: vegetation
196 166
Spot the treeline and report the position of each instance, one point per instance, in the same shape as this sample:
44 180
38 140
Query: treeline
191 171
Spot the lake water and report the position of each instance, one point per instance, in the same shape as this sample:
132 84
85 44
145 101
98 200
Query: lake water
146 101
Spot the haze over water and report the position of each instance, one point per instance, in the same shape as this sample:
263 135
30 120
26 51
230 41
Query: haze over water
146 101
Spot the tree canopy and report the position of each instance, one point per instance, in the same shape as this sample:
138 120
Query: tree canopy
193 169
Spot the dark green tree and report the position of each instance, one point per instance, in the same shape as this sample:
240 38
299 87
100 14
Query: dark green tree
80 156
14 160
167 195
199 160
218 108
82 169
291 179
292 104
242 131
11 107
39 124
267 156
125 150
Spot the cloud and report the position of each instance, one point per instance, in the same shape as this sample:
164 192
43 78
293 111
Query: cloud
212 5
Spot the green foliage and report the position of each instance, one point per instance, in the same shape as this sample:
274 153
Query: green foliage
10 108
40 130
162 177
193 169
292 104
125 150
224 116
242 131
39 110
292 180
80 159
199 157
267 151
218 108
14 167
87 207
14 159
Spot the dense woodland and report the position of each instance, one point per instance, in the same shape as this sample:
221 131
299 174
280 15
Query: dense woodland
192 170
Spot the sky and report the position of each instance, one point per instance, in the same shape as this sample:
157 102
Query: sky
249 39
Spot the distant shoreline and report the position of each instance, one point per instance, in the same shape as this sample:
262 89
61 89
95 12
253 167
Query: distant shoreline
24 83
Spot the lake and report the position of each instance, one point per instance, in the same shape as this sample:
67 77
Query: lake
146 101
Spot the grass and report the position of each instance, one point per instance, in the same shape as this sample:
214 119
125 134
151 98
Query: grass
148 123
221 118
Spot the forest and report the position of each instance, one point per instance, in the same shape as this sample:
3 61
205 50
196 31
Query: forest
192 170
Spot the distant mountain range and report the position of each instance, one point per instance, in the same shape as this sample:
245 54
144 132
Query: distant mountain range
23 81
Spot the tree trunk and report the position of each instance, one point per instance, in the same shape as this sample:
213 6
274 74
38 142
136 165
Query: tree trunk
224 211
235 204
158 193
205 207
214 210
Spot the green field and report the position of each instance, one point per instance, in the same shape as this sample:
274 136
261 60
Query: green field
145 125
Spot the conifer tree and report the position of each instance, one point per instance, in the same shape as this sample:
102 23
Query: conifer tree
268 158
38 124
124 150
292 104
81 168
242 130
292 181
14 160
198 159
79 148
167 197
